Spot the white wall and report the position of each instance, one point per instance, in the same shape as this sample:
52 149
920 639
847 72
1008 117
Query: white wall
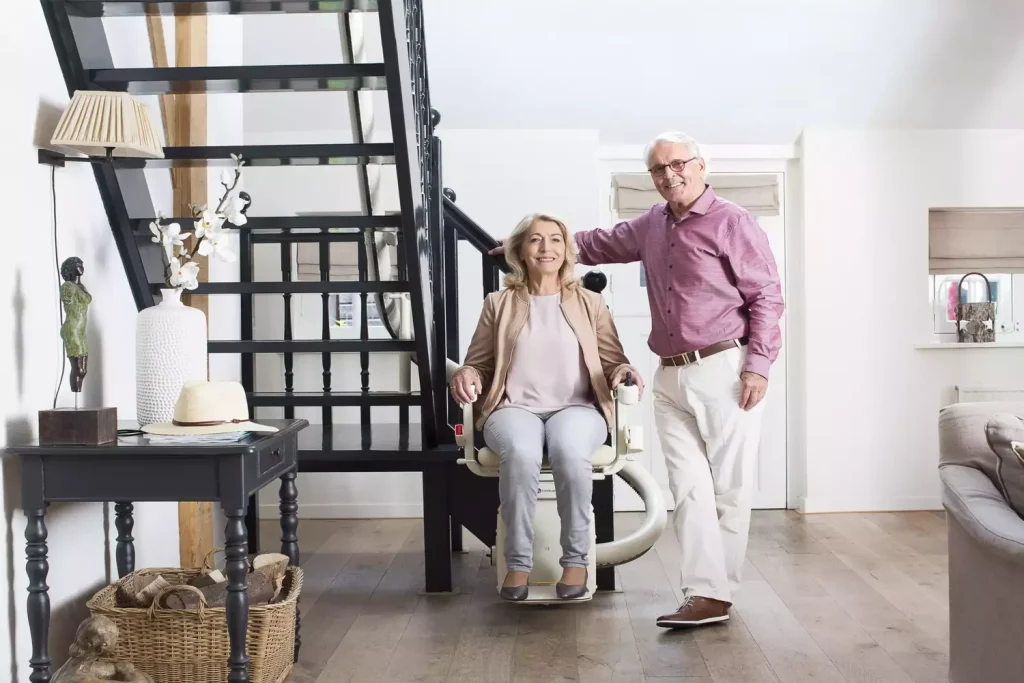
225 126
499 176
80 560
730 71
871 397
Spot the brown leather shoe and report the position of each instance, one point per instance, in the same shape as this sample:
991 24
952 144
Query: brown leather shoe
696 611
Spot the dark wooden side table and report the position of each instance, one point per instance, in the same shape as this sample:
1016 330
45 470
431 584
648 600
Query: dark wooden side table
134 470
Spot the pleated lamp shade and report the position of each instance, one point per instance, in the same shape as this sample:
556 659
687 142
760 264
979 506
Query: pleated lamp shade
97 120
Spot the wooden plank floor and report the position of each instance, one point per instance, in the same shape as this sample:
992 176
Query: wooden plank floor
859 598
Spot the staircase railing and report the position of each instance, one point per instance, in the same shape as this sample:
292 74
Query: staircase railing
405 63
436 251
469 230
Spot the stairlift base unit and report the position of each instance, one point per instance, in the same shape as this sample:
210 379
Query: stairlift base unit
547 550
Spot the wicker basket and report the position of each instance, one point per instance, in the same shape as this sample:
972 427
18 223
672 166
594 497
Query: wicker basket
192 646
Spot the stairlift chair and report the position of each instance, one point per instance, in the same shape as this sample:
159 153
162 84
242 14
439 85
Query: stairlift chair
608 460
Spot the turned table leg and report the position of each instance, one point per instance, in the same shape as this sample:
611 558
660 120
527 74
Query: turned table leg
37 568
237 608
289 508
124 522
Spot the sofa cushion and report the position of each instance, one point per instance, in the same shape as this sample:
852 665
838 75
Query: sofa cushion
1007 469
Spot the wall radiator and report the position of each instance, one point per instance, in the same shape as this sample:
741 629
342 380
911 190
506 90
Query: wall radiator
976 394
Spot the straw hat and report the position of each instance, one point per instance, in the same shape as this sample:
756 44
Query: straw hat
209 408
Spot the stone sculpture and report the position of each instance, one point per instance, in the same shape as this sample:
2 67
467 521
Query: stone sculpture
95 640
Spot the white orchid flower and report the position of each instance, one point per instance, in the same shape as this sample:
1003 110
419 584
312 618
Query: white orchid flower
235 206
184 275
167 236
218 244
227 177
237 159
208 222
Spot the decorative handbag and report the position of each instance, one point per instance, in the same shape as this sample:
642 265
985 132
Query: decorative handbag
975 322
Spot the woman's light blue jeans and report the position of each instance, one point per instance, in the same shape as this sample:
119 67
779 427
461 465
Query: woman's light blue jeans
519 437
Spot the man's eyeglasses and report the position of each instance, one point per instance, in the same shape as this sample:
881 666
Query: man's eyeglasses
676 165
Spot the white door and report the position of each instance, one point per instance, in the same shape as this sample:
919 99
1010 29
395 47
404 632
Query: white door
627 298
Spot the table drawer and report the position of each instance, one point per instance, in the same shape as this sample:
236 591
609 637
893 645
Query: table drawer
276 456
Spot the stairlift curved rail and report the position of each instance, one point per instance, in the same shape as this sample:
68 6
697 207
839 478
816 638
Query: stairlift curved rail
623 550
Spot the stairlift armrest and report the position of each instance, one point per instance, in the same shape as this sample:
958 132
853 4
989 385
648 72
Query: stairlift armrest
628 436
464 436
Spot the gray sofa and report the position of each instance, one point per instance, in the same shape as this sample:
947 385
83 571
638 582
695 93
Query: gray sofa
983 493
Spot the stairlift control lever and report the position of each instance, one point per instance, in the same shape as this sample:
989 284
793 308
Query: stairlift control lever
628 394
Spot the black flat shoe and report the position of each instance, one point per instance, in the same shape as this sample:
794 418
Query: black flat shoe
565 591
515 593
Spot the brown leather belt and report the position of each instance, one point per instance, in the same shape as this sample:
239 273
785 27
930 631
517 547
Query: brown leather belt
693 356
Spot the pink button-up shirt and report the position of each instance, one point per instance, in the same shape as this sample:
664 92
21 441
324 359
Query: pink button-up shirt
711 277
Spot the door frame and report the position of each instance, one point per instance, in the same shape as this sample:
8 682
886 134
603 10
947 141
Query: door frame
780 159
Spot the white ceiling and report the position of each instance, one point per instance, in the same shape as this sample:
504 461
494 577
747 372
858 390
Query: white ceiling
726 71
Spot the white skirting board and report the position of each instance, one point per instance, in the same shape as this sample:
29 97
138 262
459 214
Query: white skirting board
412 510
862 504
347 510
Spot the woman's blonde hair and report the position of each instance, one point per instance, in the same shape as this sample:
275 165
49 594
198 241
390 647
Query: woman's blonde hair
514 244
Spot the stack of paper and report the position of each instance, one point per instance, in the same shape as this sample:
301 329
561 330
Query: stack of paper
227 437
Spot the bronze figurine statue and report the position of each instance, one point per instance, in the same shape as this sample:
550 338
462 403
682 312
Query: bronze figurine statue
76 300
96 640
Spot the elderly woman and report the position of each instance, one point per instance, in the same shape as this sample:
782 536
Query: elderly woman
545 357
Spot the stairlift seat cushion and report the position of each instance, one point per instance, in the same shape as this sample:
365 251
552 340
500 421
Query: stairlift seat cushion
602 457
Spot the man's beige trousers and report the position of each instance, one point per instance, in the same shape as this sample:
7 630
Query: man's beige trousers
711 446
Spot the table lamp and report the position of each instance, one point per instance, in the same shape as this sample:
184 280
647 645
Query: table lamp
104 125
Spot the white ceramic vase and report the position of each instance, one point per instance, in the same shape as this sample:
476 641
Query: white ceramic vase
170 349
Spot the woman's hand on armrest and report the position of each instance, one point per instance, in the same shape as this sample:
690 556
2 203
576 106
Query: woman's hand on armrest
620 376
466 385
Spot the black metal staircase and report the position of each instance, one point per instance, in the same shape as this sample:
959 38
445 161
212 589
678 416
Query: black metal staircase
428 226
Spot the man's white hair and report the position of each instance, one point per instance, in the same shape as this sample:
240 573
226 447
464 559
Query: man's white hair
673 137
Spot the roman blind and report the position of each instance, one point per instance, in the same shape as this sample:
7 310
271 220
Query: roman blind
635 194
344 258
986 240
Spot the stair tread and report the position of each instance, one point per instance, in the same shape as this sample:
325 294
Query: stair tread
347 219
308 345
116 8
294 287
336 393
242 78
379 440
340 154
333 398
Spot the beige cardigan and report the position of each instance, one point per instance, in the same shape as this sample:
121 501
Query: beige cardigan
501 321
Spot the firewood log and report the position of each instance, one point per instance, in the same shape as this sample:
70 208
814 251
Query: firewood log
261 590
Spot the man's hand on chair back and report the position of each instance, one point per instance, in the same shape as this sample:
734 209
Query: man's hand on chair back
466 385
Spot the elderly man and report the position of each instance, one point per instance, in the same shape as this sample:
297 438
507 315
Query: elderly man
715 303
